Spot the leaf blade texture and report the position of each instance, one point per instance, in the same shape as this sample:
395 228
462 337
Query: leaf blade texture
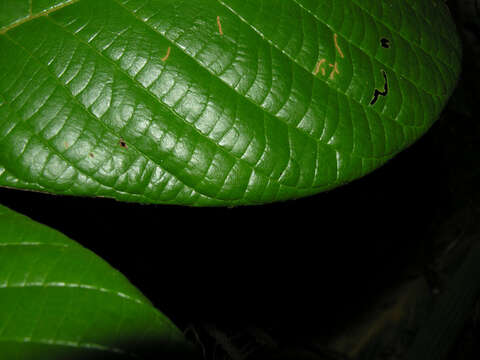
217 102
58 300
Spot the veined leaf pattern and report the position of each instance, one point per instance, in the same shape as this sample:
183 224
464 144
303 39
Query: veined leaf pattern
216 102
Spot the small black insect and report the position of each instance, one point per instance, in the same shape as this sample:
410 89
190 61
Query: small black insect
378 92
385 43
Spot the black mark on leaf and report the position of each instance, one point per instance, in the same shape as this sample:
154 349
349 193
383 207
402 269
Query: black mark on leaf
378 92
123 144
385 43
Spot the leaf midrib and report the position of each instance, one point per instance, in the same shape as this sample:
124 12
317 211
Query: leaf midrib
67 285
26 19
34 244
64 343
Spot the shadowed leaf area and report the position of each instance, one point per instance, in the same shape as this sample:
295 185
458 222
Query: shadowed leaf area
60 301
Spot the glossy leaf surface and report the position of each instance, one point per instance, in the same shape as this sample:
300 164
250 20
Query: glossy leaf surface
216 102
60 301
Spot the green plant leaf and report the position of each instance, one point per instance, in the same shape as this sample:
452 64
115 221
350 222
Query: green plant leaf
58 300
216 102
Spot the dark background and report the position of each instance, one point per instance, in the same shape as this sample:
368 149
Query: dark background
299 267
192 261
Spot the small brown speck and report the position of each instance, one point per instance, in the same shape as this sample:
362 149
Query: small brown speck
167 55
318 67
335 40
91 155
219 23
66 145
123 144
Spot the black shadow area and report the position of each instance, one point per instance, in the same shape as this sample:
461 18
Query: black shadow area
290 265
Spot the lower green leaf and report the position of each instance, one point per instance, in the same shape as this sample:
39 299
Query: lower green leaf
58 300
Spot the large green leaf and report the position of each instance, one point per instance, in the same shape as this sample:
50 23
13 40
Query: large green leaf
60 301
215 102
